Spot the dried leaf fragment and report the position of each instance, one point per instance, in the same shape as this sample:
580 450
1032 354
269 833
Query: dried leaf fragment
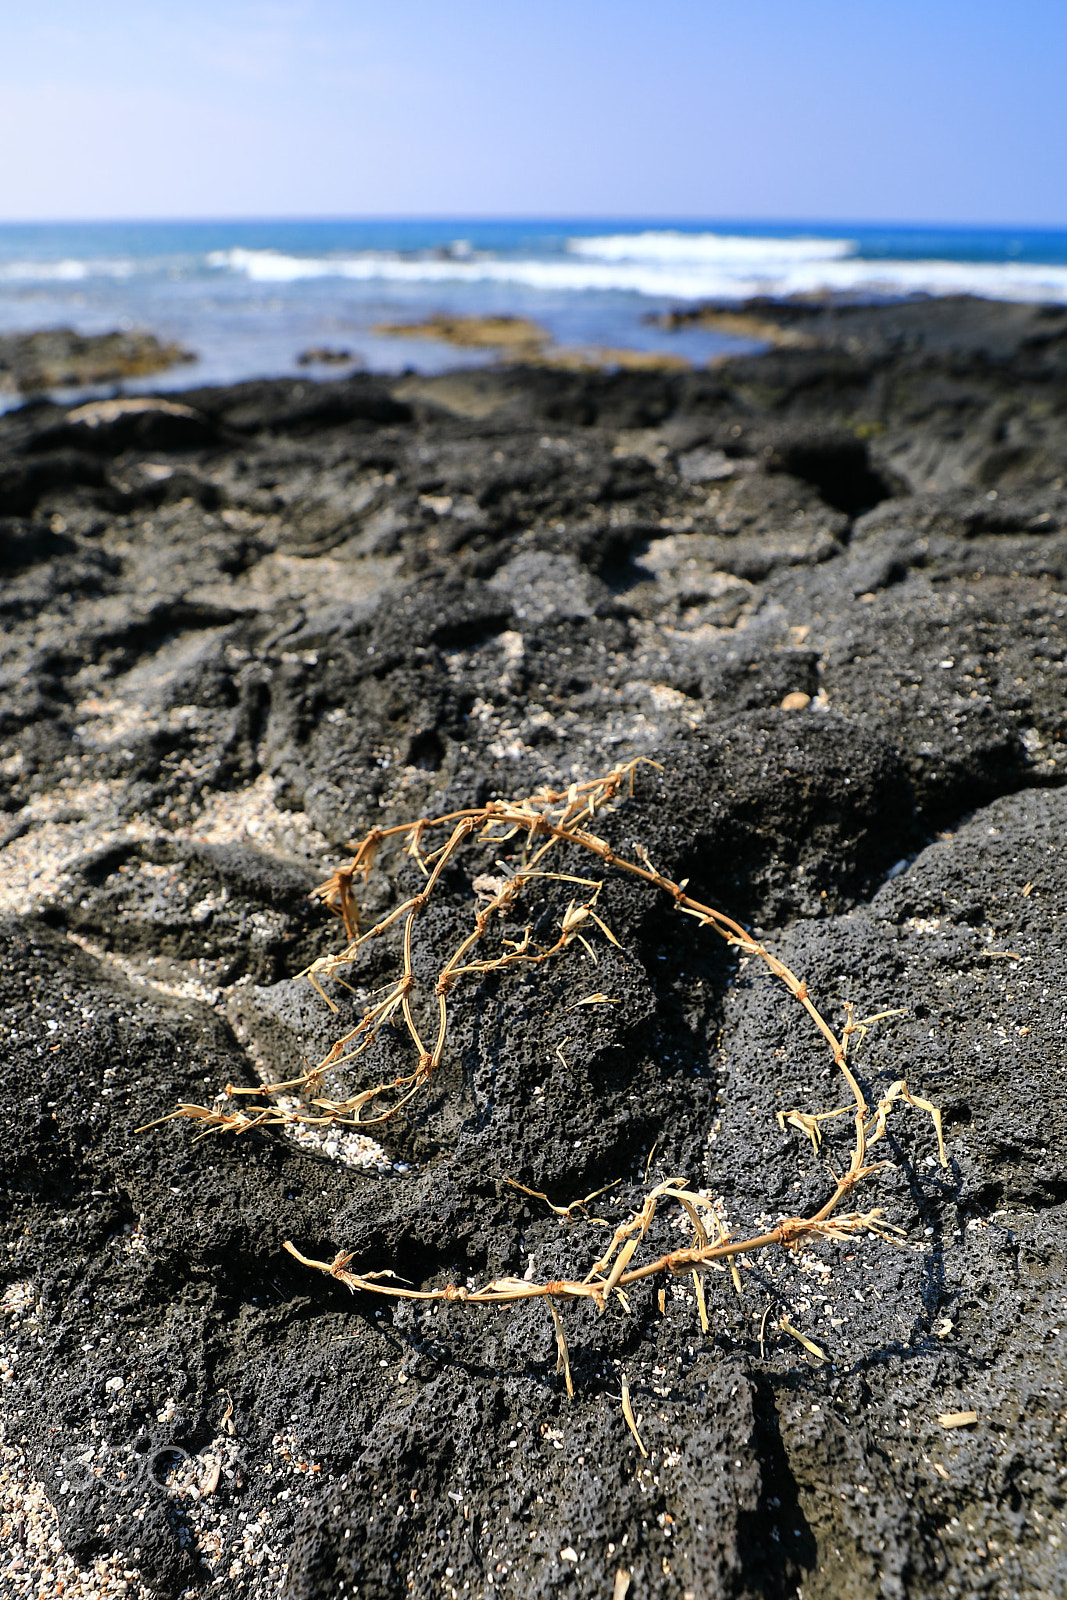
563 1363
808 1122
809 1344
628 1413
702 1305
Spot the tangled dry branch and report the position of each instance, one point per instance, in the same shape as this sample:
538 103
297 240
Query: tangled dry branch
545 822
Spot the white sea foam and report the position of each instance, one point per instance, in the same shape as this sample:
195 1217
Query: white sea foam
714 249
663 264
68 271
674 266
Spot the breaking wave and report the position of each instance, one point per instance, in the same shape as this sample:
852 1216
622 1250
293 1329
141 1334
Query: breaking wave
655 263
712 249
674 265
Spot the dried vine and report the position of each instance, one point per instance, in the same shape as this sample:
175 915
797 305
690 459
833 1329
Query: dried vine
545 821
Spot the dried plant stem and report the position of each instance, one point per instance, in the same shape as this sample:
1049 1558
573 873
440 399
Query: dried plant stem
612 1272
546 821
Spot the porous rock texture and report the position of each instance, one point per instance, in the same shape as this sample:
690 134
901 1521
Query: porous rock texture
240 631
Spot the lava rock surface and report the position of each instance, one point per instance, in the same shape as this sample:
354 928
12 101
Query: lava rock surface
824 590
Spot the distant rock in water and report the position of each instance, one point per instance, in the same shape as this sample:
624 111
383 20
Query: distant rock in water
325 355
519 339
743 323
519 336
58 358
610 358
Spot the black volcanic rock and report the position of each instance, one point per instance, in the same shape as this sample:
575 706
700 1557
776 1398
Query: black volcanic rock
823 590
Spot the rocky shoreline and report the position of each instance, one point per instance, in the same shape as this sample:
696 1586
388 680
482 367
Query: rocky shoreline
824 590
59 358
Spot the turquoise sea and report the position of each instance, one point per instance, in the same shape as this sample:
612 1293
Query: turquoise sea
248 297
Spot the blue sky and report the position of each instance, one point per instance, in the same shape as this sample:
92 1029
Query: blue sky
941 111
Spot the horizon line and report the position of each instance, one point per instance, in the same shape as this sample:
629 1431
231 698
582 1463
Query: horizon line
414 218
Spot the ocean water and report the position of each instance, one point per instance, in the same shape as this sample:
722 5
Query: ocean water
248 297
